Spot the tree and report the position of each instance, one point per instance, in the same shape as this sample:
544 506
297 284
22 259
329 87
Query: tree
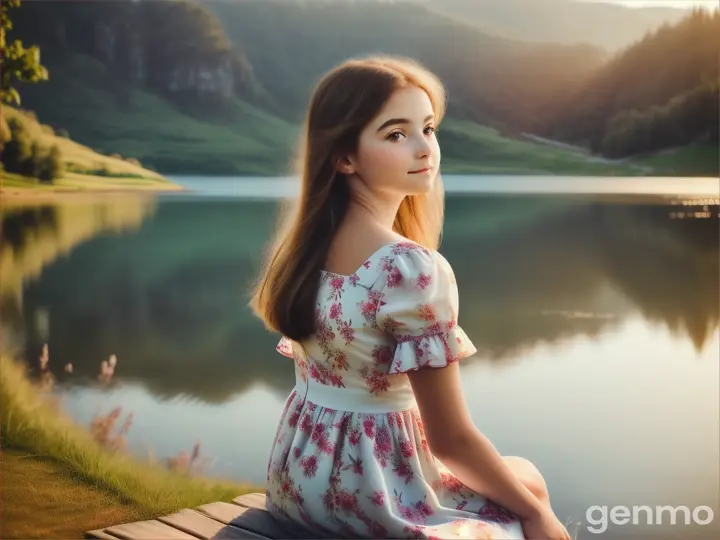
51 166
17 62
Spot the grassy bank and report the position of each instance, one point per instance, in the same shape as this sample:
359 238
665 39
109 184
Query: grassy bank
83 168
43 444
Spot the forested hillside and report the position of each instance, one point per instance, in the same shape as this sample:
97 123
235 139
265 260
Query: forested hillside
219 87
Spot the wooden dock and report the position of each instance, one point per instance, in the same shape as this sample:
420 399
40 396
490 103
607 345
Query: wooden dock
245 517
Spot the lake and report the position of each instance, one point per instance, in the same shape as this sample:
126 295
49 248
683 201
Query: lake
593 303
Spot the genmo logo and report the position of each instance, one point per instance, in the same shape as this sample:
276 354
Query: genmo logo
599 517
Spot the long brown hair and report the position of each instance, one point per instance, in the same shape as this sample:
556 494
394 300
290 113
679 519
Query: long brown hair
344 101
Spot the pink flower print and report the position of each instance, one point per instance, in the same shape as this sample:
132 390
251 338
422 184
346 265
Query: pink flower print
382 355
405 511
328 500
295 416
377 498
354 436
309 465
427 312
376 381
325 446
336 284
495 512
296 452
340 361
402 468
423 280
336 311
460 504
408 247
323 374
323 332
354 278
368 309
302 365
346 501
317 432
367 264
355 466
369 426
394 278
450 483
383 445
306 425
387 263
347 331
406 449
285 347
316 373
414 531
423 510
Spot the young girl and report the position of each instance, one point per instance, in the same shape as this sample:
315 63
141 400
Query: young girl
375 441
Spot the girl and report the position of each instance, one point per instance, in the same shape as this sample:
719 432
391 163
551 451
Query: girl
375 441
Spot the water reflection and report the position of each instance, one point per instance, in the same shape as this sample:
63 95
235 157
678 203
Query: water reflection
34 236
168 296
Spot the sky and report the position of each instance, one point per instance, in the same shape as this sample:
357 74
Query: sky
710 4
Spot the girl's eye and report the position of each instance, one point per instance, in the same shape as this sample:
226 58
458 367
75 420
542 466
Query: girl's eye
392 135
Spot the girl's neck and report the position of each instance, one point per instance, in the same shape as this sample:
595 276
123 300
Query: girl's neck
377 212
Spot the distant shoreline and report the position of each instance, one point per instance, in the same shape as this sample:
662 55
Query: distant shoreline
51 194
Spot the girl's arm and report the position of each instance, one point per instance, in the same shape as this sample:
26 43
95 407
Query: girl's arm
459 445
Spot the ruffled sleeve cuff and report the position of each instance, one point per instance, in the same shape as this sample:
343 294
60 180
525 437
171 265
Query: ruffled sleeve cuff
285 347
436 348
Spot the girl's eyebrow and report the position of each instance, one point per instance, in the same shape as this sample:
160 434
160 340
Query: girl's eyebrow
393 121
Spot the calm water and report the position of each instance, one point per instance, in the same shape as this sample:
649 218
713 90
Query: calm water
595 315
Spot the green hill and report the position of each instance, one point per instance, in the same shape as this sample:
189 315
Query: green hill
125 77
82 167
250 141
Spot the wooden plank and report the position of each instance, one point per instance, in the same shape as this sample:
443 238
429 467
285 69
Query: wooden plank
230 532
193 522
99 534
256 520
221 511
260 520
251 500
148 530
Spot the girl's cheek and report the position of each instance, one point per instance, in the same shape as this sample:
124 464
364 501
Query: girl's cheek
387 155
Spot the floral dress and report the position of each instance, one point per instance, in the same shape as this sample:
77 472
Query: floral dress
350 457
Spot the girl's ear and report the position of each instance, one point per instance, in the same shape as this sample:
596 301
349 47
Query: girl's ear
344 165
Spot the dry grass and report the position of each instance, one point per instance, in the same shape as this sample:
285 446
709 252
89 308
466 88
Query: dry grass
41 499
32 423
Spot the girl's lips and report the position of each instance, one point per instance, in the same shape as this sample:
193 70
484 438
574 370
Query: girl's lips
421 170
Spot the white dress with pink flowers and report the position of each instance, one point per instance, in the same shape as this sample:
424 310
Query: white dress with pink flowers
350 458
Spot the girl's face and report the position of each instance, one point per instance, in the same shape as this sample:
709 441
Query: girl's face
398 151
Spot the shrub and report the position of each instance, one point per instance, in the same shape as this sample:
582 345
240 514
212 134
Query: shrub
51 166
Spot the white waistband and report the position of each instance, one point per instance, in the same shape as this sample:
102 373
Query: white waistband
356 399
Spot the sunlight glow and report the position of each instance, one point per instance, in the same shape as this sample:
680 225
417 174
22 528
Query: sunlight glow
687 4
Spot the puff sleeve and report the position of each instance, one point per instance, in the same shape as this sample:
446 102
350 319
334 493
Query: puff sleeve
285 347
419 306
